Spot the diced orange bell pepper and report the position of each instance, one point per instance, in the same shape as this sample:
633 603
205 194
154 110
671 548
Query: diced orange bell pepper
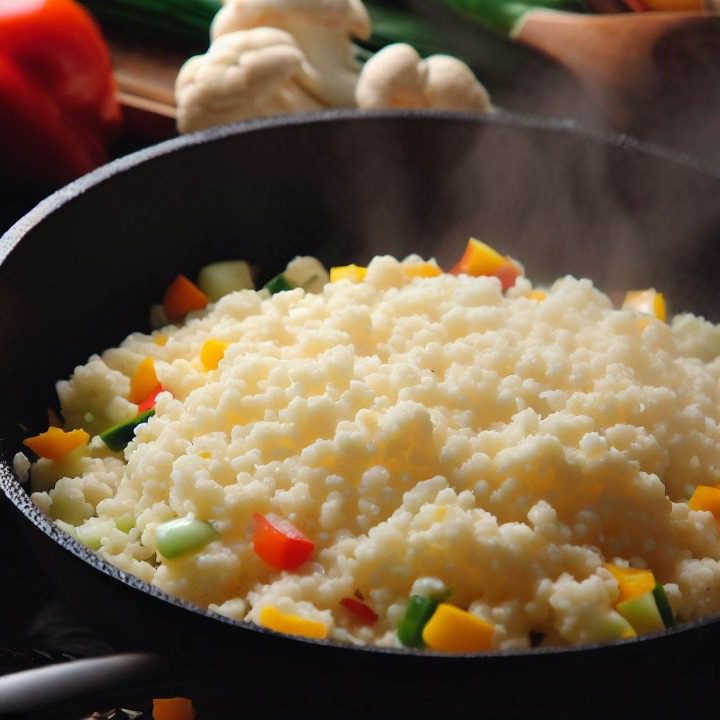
480 259
354 273
183 296
272 619
55 443
211 353
648 302
422 270
279 543
706 497
632 582
451 629
176 708
143 382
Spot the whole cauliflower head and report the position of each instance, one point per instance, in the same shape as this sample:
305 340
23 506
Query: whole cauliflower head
397 77
324 31
244 74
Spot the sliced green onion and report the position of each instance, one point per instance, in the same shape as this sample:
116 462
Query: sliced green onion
417 613
663 605
278 284
183 535
118 436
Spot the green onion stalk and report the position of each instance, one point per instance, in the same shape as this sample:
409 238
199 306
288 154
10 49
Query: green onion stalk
505 16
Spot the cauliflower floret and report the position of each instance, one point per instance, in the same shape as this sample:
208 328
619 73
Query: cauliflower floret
249 73
270 57
397 77
323 29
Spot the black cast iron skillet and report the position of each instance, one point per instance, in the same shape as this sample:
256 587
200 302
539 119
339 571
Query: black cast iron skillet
81 270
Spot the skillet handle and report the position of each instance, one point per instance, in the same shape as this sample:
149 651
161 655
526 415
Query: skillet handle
82 685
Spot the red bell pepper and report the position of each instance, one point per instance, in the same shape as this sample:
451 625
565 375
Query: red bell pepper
361 611
58 110
149 402
279 543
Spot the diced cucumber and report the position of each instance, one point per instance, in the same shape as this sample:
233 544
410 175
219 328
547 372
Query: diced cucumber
609 625
183 535
308 273
663 605
118 436
642 613
278 284
221 278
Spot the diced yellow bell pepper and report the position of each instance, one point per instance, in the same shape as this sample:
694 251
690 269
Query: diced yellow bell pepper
176 708
56 443
160 339
211 353
648 302
479 259
538 295
273 619
706 497
451 629
143 382
632 582
354 273
421 270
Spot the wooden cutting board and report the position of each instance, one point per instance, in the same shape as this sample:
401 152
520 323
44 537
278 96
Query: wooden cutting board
145 77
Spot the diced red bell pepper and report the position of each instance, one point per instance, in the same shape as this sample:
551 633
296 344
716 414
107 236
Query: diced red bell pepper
279 543
149 401
360 610
509 272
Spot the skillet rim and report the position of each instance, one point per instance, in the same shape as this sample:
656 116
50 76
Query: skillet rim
13 489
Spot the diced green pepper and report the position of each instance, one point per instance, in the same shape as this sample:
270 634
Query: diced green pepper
663 606
417 613
118 436
642 613
278 284
183 535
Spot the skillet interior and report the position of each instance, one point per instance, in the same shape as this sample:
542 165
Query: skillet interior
343 186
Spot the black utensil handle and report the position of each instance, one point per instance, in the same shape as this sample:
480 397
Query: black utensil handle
79 684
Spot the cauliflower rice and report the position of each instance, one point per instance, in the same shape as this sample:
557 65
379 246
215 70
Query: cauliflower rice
426 434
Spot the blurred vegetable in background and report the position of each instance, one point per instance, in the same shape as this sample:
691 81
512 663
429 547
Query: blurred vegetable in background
433 29
183 20
58 112
503 16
